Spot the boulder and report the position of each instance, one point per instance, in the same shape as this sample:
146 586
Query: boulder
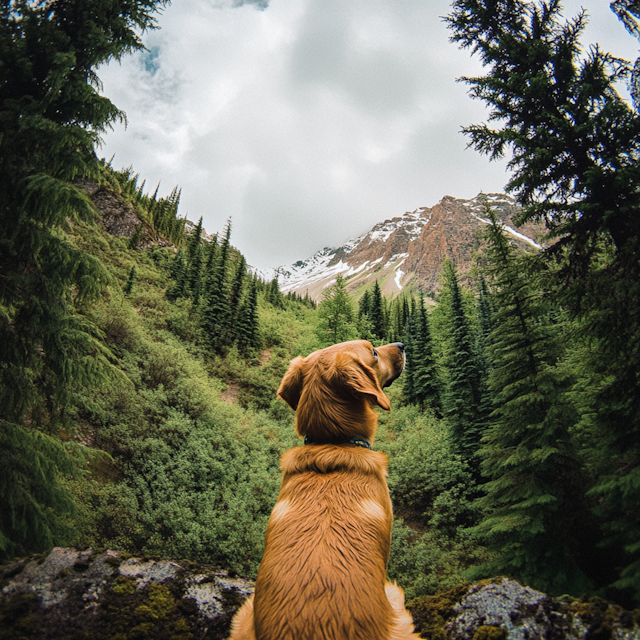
503 609
72 593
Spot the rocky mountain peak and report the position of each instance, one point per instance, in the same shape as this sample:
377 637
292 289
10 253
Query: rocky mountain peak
408 250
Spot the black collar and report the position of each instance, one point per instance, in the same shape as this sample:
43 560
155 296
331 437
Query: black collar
359 442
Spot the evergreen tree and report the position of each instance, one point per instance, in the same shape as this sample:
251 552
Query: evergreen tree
274 295
216 316
195 263
179 271
131 280
426 387
236 294
195 275
533 507
408 388
195 241
51 117
248 329
336 314
364 305
464 393
574 143
377 313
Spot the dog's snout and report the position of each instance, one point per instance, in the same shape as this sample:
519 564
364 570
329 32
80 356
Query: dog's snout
400 345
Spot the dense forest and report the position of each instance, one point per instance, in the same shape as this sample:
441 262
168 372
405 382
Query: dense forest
138 371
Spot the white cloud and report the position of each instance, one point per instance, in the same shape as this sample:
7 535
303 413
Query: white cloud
307 121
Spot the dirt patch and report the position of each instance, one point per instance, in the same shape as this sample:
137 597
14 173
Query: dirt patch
265 356
229 396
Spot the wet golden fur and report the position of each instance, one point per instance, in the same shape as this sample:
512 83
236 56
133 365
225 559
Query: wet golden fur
323 573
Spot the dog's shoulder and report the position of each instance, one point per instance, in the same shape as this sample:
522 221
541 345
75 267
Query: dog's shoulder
330 458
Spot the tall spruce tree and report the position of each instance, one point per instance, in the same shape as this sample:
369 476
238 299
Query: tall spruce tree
235 296
425 383
248 325
534 507
51 117
574 143
463 396
337 316
377 313
216 315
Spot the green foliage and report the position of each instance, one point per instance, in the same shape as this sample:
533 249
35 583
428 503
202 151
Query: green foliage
51 117
533 501
573 140
432 489
158 214
336 314
423 386
464 397
35 503
131 280
216 315
376 312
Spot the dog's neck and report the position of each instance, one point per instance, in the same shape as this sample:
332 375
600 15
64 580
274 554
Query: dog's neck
333 458
333 419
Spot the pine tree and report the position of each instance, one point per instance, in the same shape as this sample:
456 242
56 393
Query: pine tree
248 329
131 280
377 313
574 143
195 241
336 314
51 117
235 296
194 276
425 383
216 314
533 507
408 388
179 271
464 390
364 305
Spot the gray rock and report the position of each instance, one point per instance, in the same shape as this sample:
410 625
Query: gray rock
510 610
72 593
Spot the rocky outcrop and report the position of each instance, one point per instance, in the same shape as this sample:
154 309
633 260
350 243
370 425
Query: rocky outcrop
118 217
503 609
71 593
78 594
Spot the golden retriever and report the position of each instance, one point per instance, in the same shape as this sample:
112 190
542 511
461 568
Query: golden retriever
323 573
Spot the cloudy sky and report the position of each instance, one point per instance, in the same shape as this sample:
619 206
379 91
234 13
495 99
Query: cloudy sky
306 121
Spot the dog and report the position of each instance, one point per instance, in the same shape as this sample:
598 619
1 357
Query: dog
323 573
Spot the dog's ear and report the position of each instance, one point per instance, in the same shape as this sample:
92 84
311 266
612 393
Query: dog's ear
361 378
291 385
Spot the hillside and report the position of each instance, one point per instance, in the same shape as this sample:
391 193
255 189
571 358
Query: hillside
408 251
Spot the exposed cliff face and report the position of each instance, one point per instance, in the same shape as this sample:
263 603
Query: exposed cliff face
119 217
409 250
72 594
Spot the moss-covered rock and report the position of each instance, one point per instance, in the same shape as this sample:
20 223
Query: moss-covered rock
79 594
75 594
503 609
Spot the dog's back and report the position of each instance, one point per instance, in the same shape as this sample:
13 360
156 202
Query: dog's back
328 543
323 573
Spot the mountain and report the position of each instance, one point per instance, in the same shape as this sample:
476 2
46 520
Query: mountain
408 251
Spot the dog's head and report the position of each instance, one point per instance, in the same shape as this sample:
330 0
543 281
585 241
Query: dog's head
333 389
